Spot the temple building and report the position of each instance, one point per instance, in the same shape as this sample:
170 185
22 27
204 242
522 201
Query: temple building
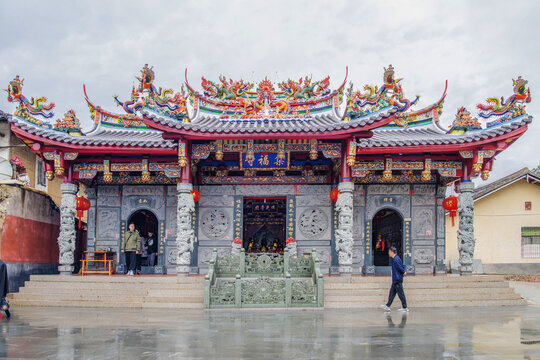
347 172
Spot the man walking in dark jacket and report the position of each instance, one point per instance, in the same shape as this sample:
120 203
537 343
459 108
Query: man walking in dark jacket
398 270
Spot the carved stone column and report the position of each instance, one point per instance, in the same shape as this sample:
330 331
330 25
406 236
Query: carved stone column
66 238
465 234
344 232
185 236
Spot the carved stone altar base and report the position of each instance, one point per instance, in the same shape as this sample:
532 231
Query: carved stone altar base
185 236
466 227
66 238
344 232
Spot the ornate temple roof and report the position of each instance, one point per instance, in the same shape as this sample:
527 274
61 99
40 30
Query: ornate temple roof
380 118
432 134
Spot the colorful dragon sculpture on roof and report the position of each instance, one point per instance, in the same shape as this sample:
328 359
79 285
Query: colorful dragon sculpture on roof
70 123
389 94
241 100
304 89
147 95
464 122
505 110
35 107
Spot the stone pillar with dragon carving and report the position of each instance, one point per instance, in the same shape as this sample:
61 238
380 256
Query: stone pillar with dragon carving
465 233
185 236
344 231
66 238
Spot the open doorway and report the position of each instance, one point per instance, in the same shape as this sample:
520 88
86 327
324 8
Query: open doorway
146 222
264 224
387 232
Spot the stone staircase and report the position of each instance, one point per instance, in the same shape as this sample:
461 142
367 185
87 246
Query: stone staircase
421 291
111 291
188 292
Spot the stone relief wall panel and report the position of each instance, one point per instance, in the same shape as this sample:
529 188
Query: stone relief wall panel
91 223
205 254
423 223
424 189
422 200
312 200
266 190
170 224
313 223
155 190
314 189
374 203
441 191
108 190
423 256
216 190
358 225
216 224
394 189
171 191
216 201
108 224
323 253
358 256
441 221
155 204
172 201
108 201
90 192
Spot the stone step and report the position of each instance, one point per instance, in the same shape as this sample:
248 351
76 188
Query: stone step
155 279
112 292
417 291
416 285
108 304
106 285
425 304
415 278
424 297
107 298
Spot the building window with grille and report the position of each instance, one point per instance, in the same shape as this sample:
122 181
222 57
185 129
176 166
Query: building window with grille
41 177
530 242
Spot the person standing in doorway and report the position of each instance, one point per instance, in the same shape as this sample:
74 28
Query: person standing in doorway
131 245
151 248
398 271
141 255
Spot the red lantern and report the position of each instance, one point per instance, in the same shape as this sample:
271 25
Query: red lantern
196 195
83 204
451 204
334 194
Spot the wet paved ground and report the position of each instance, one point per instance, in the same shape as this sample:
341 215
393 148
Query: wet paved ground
465 333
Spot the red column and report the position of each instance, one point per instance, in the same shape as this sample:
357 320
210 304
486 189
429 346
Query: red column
185 172
345 173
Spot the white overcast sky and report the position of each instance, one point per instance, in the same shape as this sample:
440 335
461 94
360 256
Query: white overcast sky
478 46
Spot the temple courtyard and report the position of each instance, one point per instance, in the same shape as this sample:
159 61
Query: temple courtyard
428 333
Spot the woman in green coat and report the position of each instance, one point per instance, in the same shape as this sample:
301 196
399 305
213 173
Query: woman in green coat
131 245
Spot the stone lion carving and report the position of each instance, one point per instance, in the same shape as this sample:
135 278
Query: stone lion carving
236 247
292 247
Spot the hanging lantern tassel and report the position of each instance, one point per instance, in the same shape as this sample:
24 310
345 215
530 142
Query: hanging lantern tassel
451 204
83 204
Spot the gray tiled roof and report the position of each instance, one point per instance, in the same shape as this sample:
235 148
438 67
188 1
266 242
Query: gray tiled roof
524 173
434 135
98 137
317 123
